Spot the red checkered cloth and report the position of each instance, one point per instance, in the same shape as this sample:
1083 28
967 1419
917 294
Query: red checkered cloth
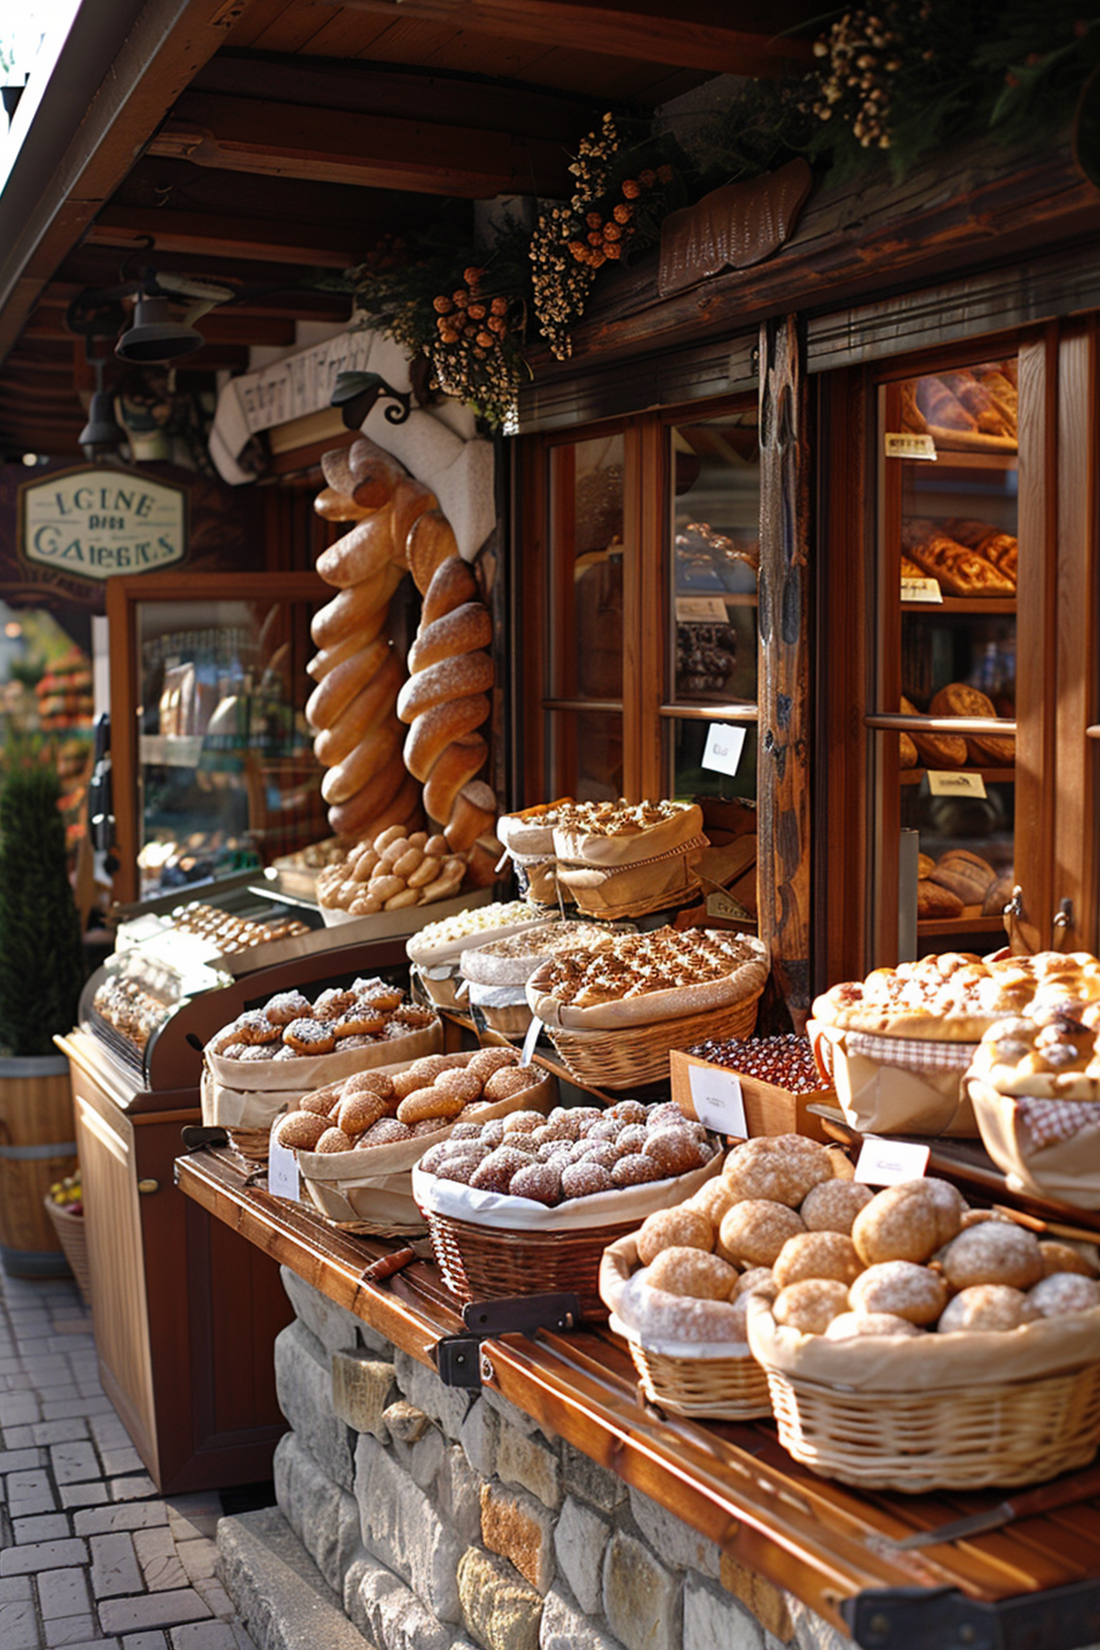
912 1053
1044 1122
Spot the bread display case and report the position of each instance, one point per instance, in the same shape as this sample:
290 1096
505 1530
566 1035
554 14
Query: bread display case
944 665
213 758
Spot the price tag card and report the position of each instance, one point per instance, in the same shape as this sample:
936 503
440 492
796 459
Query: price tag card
530 1040
906 444
701 609
722 904
921 590
888 1162
282 1172
725 742
947 782
717 1099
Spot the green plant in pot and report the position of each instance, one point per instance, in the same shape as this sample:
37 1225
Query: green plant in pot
41 972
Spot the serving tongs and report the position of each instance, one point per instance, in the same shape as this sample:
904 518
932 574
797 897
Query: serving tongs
1061 1492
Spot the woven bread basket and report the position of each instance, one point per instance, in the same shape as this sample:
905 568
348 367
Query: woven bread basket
632 890
936 1412
518 1247
710 1381
630 1055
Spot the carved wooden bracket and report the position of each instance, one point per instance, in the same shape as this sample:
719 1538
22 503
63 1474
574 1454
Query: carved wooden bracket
731 228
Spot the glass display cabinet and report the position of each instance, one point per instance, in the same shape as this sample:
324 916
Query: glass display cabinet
944 661
212 756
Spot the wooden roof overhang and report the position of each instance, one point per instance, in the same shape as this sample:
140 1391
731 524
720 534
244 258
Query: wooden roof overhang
256 142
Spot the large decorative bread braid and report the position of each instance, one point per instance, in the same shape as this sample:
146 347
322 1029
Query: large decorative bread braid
446 700
397 526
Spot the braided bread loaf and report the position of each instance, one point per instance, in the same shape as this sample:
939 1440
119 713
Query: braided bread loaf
445 701
392 518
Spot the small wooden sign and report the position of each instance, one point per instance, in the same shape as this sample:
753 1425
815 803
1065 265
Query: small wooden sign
920 590
99 521
907 444
950 782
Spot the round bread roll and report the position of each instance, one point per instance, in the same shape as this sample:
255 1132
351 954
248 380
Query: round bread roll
673 1228
686 1271
850 1324
713 1200
752 1233
995 1251
902 1288
989 1307
817 1255
900 1223
949 1204
1064 1257
758 1280
777 1169
1062 1292
810 1305
834 1205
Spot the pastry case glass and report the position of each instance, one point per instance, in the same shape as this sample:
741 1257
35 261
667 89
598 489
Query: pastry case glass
212 756
945 660
714 531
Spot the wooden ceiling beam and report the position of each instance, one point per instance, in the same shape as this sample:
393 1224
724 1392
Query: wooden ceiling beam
696 34
202 233
372 151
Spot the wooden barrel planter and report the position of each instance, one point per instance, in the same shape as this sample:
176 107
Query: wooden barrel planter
37 1147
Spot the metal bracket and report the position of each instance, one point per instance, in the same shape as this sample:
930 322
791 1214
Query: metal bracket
940 1618
459 1358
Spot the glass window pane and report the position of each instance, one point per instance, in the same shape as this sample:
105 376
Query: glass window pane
586 569
227 772
716 551
585 750
691 781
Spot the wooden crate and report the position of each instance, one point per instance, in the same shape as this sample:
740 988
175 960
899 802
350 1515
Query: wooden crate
768 1110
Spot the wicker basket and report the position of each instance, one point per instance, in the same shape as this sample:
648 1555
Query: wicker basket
627 1056
705 1381
72 1234
486 1263
968 1433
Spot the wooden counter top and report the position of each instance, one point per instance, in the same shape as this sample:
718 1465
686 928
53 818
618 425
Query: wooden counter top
1034 1582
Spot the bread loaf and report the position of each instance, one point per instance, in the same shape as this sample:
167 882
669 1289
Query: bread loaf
965 874
445 699
936 750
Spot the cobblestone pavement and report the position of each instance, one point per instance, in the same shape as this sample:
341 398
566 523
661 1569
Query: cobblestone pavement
91 1558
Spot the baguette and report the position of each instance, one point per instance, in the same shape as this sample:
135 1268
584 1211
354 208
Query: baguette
352 608
329 657
452 584
472 814
458 764
363 763
374 474
334 506
336 691
334 743
432 732
453 678
461 631
361 553
355 820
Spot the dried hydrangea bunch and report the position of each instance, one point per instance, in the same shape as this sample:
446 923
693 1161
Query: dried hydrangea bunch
476 354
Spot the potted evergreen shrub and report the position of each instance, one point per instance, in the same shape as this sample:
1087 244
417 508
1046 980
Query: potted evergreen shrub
41 972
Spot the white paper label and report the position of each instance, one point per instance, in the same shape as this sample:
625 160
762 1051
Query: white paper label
907 444
530 1040
947 782
889 1162
701 609
282 1172
722 751
716 1096
920 590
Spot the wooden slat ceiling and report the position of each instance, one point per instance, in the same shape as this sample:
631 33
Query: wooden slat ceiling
300 131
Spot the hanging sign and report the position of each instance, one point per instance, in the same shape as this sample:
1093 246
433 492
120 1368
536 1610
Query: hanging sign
96 522
722 751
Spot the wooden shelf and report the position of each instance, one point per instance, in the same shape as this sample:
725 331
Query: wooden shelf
960 925
947 458
961 604
991 776
833 1547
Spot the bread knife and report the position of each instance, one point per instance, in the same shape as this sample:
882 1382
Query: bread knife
1077 1486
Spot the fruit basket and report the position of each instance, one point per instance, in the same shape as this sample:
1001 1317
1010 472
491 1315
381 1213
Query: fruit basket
65 1208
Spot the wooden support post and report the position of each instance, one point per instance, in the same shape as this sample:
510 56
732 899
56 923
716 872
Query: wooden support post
784 726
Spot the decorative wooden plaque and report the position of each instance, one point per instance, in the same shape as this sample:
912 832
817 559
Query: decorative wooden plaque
731 228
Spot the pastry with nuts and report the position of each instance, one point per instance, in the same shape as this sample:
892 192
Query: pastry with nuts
640 978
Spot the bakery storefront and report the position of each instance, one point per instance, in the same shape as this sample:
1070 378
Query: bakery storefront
638 1184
